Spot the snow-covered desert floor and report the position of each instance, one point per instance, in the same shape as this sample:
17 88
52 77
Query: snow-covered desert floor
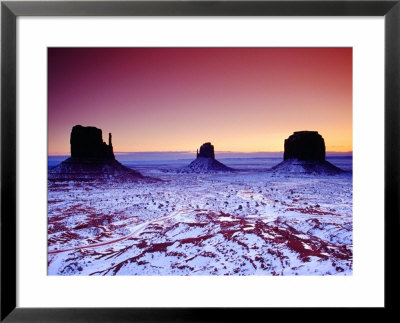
250 222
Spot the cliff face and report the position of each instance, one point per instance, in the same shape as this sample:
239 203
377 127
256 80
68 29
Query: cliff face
305 145
87 142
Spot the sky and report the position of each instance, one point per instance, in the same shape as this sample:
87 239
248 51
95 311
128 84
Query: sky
175 99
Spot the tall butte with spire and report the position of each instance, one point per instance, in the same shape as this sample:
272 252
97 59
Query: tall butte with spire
87 142
91 159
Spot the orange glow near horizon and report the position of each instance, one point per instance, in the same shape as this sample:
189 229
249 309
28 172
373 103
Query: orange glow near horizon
175 99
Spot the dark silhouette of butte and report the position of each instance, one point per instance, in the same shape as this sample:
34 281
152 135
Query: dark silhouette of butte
305 153
205 162
206 151
87 142
305 145
91 159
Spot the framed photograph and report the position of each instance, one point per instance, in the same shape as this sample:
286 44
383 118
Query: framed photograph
191 160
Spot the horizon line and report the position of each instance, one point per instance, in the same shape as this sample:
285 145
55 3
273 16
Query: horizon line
350 152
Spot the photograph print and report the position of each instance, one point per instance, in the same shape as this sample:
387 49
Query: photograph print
200 161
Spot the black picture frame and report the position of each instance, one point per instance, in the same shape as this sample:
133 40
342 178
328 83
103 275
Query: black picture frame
10 10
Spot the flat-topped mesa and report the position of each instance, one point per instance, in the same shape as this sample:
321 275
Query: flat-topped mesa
305 145
87 142
305 154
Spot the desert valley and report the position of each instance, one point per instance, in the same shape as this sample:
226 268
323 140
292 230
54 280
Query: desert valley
202 217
